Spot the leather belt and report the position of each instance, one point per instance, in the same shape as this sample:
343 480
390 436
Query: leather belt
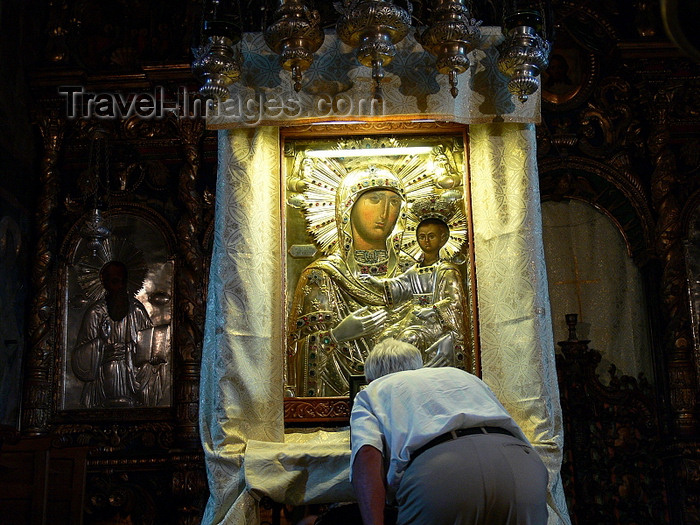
454 434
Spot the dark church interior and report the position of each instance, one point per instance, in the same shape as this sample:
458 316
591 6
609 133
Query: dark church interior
619 135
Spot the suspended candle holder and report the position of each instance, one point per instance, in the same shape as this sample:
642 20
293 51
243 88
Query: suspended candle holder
374 27
216 64
295 35
525 52
95 230
450 37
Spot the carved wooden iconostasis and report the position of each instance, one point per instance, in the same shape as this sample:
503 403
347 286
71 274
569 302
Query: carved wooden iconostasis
627 149
619 134
131 417
610 387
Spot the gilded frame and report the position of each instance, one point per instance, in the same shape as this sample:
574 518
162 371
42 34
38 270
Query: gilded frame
302 248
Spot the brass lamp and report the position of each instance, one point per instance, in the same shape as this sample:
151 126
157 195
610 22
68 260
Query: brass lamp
295 35
451 36
374 27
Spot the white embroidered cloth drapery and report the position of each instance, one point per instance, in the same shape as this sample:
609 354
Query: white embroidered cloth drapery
591 273
241 384
241 377
515 328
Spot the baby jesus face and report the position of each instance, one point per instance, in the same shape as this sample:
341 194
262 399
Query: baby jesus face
431 235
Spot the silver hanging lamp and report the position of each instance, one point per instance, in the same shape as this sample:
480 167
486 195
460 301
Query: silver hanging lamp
525 51
450 37
95 230
216 64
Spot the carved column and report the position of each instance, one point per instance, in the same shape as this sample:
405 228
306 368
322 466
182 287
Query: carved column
677 344
38 384
190 490
191 282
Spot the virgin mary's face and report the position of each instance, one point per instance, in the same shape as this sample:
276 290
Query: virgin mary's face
373 217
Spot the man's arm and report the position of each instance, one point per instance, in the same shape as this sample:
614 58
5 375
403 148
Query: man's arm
368 483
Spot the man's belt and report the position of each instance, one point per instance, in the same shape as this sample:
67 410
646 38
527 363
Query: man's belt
454 434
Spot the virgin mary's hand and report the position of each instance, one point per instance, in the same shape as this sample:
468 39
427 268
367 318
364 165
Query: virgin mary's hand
371 279
358 324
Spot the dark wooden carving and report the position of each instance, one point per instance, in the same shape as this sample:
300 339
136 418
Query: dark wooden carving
677 344
310 410
144 464
612 190
38 377
631 150
189 488
191 282
613 470
129 493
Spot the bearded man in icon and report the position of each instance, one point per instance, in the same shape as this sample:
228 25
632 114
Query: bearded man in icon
115 330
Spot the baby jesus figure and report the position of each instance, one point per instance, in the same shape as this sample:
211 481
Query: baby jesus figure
437 326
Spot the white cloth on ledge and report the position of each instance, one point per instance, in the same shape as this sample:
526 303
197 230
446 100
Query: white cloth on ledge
307 468
336 88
